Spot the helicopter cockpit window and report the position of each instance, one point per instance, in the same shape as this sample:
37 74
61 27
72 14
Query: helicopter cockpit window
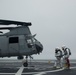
33 39
13 40
29 43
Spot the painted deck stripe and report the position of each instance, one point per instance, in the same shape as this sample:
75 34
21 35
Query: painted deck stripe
44 72
19 72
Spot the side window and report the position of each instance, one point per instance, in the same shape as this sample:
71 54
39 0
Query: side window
29 43
13 40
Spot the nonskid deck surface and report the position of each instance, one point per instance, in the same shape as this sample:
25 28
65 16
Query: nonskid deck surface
34 68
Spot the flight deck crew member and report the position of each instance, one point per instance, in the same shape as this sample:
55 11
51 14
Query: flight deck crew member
58 55
66 54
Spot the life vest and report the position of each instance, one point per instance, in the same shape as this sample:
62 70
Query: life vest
60 55
65 51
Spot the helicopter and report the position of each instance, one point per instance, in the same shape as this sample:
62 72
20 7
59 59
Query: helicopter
18 41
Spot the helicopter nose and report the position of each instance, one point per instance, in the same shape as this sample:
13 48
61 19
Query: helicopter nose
39 48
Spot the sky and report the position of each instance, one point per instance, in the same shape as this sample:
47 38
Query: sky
54 22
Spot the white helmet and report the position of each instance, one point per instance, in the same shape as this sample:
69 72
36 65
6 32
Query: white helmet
63 47
57 48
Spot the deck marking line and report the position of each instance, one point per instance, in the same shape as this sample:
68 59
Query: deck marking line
53 71
35 73
40 73
19 72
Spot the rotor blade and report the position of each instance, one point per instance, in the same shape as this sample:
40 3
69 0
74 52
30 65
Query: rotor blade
3 28
8 22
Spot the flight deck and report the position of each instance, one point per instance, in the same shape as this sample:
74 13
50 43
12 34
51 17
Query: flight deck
36 67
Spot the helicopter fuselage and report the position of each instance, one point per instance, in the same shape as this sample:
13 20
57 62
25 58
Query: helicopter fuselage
19 42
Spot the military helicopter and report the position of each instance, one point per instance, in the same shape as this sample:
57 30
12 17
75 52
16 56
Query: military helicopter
18 41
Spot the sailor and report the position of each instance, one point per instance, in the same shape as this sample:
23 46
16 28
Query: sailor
58 55
66 54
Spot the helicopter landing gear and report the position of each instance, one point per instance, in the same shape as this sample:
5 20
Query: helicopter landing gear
25 63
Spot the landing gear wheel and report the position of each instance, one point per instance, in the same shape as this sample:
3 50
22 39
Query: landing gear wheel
25 64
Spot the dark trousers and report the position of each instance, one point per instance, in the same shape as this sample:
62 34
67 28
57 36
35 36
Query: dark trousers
68 63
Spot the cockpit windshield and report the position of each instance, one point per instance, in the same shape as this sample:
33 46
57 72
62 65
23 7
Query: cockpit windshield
34 39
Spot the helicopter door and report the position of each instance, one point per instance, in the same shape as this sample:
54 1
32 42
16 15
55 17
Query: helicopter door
22 44
14 45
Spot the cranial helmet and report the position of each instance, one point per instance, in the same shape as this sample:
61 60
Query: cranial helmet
57 48
63 47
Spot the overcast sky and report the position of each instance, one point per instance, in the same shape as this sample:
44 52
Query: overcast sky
54 22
